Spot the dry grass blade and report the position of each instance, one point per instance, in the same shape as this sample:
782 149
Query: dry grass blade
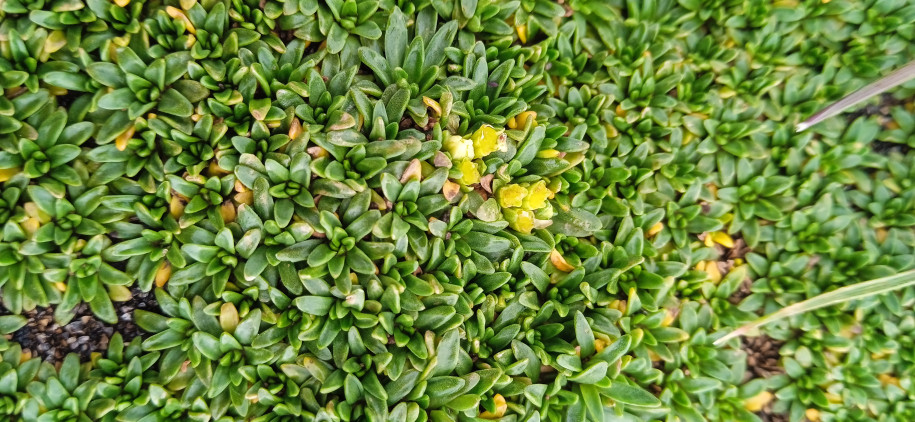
842 295
894 79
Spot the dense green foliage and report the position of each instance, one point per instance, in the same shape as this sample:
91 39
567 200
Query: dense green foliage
412 210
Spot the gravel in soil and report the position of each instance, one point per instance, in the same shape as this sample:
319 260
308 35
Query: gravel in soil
762 356
84 334
762 362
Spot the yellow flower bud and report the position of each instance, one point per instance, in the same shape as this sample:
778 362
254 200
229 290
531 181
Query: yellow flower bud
228 317
163 274
121 141
711 268
655 229
722 239
122 3
176 207
758 402
521 118
512 123
511 195
547 153
522 33
501 407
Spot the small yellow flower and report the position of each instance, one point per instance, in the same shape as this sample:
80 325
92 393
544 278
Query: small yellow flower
470 174
121 141
521 119
518 219
163 274
720 238
501 407
459 148
599 345
710 268
487 140
537 195
655 229
758 402
547 153
522 33
511 195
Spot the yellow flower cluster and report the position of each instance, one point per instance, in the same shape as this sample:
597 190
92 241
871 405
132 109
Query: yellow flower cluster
465 152
521 203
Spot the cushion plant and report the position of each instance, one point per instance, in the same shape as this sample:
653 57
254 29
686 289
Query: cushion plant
458 210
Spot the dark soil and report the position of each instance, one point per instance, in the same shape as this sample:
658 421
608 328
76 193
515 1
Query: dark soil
84 334
762 356
45 339
762 362
140 300
882 109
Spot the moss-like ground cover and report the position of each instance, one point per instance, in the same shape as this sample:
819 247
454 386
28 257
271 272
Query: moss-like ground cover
454 210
